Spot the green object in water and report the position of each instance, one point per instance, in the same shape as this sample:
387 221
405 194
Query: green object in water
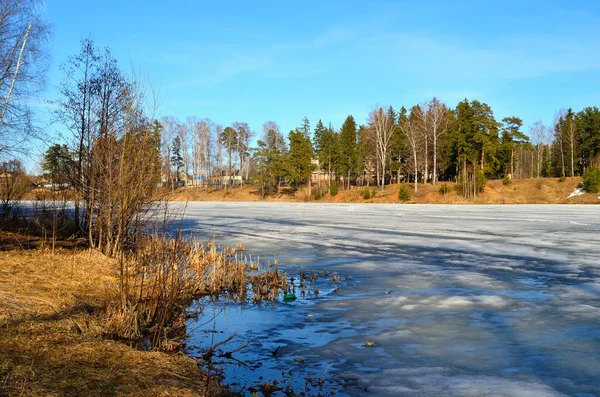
289 297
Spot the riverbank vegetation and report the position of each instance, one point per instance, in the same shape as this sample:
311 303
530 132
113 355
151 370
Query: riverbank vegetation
53 321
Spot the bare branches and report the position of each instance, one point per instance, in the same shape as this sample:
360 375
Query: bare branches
23 60
412 127
438 119
382 128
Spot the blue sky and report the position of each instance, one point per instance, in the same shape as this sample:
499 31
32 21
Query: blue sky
283 60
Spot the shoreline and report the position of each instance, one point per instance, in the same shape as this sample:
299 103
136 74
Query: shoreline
521 191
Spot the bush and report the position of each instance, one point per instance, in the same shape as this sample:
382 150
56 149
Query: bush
444 189
334 188
506 181
539 184
368 193
481 181
476 181
591 180
404 193
319 193
562 179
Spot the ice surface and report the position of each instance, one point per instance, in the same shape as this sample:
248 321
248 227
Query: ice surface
459 300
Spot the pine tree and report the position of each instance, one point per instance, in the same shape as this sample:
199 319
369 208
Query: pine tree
319 149
299 158
399 151
176 157
229 138
348 148
588 134
305 129
58 164
512 137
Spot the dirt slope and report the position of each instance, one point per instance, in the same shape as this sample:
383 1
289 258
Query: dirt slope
521 191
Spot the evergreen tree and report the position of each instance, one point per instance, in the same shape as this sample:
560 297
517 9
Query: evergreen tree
305 127
364 153
269 159
512 137
485 136
317 145
348 148
588 134
399 151
263 159
58 164
176 157
299 158
328 152
229 138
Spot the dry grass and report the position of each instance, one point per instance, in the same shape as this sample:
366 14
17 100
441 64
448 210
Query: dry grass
51 326
521 191
164 275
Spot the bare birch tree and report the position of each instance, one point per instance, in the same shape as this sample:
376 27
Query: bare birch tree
438 119
412 128
382 126
183 133
538 134
23 62
570 132
559 133
219 152
204 129
170 130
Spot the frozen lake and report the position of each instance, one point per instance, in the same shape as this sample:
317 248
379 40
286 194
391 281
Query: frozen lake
458 300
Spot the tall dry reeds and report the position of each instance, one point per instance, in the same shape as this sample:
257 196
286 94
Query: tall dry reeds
164 275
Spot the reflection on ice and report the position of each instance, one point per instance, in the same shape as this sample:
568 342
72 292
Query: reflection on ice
458 300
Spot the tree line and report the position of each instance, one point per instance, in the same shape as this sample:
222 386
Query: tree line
424 144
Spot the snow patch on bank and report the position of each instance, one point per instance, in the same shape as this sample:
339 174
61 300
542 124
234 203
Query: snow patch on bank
577 192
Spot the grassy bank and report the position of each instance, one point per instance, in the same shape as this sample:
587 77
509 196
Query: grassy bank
520 191
52 338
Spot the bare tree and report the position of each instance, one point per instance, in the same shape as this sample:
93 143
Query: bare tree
170 130
539 134
76 110
438 118
205 128
570 133
382 126
13 185
23 61
196 152
559 133
412 128
272 136
183 133
219 152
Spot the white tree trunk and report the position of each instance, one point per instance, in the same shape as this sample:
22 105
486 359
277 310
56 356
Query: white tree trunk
15 74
